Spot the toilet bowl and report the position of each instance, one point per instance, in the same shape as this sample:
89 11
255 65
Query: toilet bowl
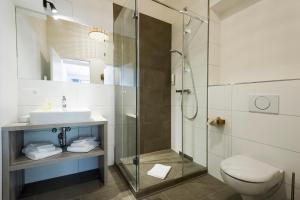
253 179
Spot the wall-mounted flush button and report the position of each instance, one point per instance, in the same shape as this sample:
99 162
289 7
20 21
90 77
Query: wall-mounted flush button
264 103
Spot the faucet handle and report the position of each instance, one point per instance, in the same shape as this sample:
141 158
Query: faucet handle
64 103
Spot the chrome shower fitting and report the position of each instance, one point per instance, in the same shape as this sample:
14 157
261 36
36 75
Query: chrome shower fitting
187 68
64 103
62 136
176 51
52 7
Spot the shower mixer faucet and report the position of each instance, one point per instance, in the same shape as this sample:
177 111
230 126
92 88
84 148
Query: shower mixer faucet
188 91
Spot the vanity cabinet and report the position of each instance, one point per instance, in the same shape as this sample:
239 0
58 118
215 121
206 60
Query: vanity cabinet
15 163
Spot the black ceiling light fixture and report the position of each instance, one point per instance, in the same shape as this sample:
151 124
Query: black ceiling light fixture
52 7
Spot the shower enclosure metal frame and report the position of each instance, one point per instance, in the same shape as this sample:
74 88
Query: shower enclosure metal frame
135 186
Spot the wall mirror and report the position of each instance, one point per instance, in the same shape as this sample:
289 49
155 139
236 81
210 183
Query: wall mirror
53 49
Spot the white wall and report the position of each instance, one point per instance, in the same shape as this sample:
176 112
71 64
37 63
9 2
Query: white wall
270 138
214 65
8 69
258 43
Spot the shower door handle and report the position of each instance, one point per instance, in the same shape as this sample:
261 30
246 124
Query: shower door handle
183 91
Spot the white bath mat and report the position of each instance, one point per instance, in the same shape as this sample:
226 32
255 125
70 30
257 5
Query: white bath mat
159 171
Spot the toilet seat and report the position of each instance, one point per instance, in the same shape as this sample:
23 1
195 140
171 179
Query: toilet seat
249 170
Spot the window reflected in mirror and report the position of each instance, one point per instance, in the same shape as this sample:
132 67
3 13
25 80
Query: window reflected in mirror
61 50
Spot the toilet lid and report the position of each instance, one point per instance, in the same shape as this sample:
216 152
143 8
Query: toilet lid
248 169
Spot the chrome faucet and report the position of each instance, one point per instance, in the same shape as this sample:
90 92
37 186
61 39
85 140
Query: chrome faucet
64 103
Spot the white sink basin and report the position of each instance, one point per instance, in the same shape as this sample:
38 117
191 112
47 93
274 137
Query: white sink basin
39 117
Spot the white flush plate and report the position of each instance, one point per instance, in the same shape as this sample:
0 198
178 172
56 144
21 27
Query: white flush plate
263 103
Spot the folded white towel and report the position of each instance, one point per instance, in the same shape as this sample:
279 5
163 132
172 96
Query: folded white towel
159 171
39 147
32 149
83 149
82 139
36 155
84 144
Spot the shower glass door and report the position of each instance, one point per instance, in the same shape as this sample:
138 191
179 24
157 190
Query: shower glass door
125 62
194 101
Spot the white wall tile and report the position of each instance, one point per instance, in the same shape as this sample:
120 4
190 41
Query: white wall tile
214 165
202 93
196 148
288 102
219 97
97 95
176 130
214 54
214 32
254 49
108 112
219 144
39 93
213 75
277 130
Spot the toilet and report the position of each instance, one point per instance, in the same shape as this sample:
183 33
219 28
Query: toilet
253 179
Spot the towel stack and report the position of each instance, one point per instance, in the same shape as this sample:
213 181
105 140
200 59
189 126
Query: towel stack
83 144
159 171
36 151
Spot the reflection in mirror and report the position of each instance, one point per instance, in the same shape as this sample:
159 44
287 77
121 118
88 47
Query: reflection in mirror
61 50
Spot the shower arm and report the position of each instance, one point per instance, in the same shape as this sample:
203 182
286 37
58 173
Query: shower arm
184 11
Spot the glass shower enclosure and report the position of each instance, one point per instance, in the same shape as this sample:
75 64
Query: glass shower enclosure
161 61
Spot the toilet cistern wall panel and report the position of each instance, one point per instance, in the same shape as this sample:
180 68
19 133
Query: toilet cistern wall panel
264 103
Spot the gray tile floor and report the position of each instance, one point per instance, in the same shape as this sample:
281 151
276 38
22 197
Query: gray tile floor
202 188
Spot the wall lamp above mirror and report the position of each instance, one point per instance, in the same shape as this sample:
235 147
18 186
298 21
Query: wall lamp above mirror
98 34
51 5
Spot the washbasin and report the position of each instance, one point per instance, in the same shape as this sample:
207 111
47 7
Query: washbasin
38 117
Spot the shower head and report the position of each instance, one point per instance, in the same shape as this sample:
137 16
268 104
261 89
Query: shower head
176 51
